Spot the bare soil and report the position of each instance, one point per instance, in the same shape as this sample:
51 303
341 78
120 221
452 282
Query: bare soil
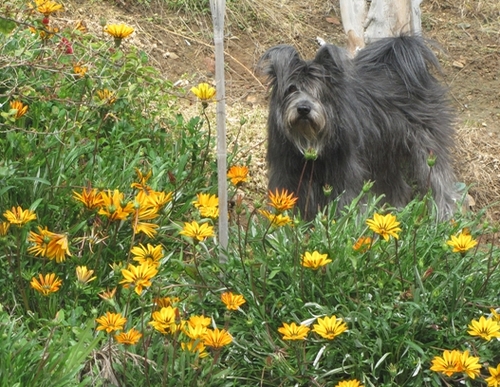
467 33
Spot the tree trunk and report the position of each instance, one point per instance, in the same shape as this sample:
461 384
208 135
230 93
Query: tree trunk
365 20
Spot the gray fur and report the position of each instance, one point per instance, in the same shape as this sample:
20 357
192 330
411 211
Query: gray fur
375 117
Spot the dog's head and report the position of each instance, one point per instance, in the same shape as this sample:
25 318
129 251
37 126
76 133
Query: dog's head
303 93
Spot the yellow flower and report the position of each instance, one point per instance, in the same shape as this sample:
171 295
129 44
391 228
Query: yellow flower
107 294
138 276
111 322
84 275
462 243
349 383
238 174
195 346
494 379
293 331
277 220
196 231
362 244
20 108
315 260
165 302
484 328
469 365
80 70
81 26
112 206
448 364
143 179
384 225
329 327
48 244
195 332
4 228
147 254
216 338
48 284
165 320
282 200
18 217
196 320
204 91
90 197
129 338
494 315
58 248
119 31
208 205
47 7
106 96
232 301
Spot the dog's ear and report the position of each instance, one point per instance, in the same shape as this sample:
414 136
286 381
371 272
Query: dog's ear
277 61
333 58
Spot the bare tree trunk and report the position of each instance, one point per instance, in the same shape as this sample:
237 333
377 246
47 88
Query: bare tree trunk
366 20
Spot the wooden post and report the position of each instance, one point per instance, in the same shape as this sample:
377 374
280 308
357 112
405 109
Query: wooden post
218 8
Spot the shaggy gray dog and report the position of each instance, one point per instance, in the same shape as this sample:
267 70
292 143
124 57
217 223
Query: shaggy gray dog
337 122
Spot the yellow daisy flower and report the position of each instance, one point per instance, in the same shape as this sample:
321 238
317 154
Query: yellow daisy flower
106 96
216 338
147 254
448 364
196 231
282 200
20 108
107 294
49 245
195 332
47 284
195 346
18 217
84 275
204 92
238 174
119 31
165 302
349 383
90 197
384 225
4 228
111 322
362 244
196 320
461 243
494 379
232 301
277 220
485 328
315 260
469 365
48 7
329 327
293 331
138 276
165 320
129 338
80 70
113 207
208 205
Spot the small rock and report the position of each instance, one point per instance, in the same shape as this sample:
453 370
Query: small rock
457 64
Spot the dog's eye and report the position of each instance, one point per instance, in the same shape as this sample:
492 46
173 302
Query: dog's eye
291 89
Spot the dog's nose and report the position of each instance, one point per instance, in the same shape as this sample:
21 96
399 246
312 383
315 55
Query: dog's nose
303 110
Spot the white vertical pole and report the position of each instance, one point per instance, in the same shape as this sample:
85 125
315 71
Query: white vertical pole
218 8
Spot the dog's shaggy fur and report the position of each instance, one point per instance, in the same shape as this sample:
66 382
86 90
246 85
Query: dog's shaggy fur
379 117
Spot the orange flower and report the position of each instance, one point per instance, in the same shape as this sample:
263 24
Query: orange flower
47 284
282 200
232 301
238 174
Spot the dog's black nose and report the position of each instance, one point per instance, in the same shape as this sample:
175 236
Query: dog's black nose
303 110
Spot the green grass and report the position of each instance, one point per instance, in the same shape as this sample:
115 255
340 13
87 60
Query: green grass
404 300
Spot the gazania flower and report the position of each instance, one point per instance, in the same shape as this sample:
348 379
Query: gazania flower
119 31
362 244
282 200
208 205
494 379
277 220
238 174
384 225
143 179
462 243
165 302
138 276
196 231
19 217
232 301
469 365
147 254
113 207
150 229
216 338
329 327
315 260
20 107
84 275
49 245
195 332
107 294
448 364
204 92
106 96
165 320
90 197
195 346
154 199
47 284
485 328
58 248
196 320
111 322
349 383
80 70
4 228
495 316
48 7
293 331
129 338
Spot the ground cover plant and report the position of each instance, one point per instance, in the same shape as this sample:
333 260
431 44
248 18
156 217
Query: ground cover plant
110 270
